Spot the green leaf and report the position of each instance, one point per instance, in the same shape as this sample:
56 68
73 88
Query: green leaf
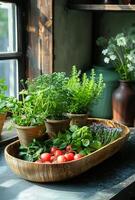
85 142
63 145
73 128
96 144
56 142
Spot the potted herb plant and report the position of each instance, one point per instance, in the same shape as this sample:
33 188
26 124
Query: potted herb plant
28 116
120 52
56 99
84 91
3 103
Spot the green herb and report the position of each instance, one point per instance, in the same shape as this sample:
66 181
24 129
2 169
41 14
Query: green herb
29 111
56 96
83 91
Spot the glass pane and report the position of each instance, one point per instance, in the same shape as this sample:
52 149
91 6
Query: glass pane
8 28
9 72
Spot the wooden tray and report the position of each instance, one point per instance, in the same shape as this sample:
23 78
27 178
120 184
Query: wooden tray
57 172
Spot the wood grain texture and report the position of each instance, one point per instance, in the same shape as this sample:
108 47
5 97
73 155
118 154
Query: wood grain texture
57 172
40 37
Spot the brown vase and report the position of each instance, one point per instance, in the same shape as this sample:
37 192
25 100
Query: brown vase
53 127
78 119
2 120
27 133
123 103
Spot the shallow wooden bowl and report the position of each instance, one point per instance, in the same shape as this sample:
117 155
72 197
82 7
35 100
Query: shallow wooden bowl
56 172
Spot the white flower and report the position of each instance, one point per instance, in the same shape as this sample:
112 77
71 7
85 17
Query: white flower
130 67
121 41
105 51
129 57
113 57
106 60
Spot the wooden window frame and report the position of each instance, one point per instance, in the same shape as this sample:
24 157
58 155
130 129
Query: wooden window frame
21 40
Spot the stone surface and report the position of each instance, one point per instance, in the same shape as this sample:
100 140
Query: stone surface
109 180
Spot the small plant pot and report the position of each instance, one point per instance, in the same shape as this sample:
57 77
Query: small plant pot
27 133
53 127
78 119
2 120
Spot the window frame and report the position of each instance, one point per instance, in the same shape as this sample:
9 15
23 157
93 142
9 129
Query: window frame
20 55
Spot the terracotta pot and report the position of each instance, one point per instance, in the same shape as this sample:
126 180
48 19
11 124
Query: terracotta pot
53 127
27 133
78 119
123 103
2 120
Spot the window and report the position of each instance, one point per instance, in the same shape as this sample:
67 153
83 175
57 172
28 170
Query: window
11 56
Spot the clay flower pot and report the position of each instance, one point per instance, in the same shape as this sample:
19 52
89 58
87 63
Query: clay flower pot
2 120
78 119
53 127
27 133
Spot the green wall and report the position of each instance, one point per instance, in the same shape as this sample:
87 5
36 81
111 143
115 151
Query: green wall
72 37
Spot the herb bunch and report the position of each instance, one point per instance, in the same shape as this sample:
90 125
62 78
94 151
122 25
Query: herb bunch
29 111
83 91
56 96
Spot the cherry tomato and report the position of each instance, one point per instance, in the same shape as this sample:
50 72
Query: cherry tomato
38 161
53 149
52 158
61 159
58 153
77 156
45 157
69 148
69 156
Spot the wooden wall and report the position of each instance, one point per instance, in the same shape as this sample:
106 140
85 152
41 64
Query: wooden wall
40 39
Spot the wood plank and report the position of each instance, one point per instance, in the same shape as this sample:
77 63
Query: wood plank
40 37
102 7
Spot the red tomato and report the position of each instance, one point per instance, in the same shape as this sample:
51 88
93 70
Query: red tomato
52 158
45 157
69 148
58 153
61 159
53 149
69 156
38 161
77 156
